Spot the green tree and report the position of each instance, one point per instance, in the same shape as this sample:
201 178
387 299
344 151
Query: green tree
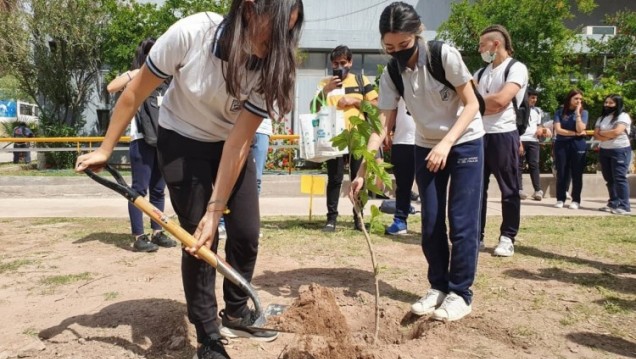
52 49
129 22
619 50
540 38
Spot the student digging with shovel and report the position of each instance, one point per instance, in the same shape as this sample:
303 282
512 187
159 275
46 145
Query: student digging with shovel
228 74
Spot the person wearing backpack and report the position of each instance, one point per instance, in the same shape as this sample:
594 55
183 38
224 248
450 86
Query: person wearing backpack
500 84
19 131
144 165
346 91
612 130
449 156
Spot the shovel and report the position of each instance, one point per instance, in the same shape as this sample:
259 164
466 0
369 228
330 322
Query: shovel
187 240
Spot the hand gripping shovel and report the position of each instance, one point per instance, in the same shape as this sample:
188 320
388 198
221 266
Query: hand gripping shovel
187 240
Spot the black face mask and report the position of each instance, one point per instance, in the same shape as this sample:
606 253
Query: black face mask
607 110
403 56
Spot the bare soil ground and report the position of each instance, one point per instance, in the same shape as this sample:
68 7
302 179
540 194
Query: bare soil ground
72 288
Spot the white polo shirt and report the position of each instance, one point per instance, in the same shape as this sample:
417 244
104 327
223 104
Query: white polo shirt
536 114
404 133
622 140
197 105
434 107
492 81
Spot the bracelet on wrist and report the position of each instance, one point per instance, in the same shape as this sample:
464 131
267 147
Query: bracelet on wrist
128 74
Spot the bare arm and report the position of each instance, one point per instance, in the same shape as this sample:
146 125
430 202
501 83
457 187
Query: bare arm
618 130
121 81
135 93
499 101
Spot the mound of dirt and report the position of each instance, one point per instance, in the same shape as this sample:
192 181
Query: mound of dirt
322 330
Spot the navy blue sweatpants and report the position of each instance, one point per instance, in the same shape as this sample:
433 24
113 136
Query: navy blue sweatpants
403 161
501 158
569 158
454 271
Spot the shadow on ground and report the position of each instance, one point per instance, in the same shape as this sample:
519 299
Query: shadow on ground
605 343
287 283
147 319
119 240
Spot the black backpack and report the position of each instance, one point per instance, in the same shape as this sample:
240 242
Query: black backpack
147 116
522 111
435 67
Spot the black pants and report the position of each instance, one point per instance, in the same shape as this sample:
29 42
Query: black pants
335 175
190 168
501 158
403 161
532 157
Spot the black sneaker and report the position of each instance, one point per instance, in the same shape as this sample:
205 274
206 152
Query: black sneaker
238 328
143 244
357 224
212 348
162 240
330 226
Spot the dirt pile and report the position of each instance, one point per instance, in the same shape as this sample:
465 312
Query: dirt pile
323 332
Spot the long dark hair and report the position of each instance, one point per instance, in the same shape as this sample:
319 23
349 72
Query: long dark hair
400 17
618 100
142 52
278 68
568 99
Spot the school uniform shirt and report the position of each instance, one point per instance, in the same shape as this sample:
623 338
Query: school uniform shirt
568 122
197 105
404 133
350 88
265 128
492 81
434 107
536 114
620 141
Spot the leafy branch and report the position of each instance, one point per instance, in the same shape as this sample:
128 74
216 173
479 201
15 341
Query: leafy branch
355 139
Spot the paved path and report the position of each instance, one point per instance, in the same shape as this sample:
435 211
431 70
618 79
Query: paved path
115 207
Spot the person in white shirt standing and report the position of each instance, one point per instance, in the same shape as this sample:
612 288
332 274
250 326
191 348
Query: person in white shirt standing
615 154
501 142
530 147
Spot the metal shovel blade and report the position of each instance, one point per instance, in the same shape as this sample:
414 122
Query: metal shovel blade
272 310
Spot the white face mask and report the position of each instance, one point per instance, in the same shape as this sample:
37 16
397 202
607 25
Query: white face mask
488 57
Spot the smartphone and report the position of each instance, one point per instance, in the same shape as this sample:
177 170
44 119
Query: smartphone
338 72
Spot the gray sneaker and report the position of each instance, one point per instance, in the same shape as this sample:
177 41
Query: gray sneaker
143 244
523 195
621 212
505 248
162 240
537 195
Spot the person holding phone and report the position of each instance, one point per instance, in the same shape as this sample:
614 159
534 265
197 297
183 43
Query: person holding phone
346 91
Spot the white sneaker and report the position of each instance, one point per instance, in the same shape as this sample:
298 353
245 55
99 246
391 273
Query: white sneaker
428 303
453 308
621 212
574 205
606 209
559 204
537 195
523 195
505 248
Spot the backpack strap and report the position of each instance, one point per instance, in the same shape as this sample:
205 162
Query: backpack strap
393 69
435 64
506 72
480 74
